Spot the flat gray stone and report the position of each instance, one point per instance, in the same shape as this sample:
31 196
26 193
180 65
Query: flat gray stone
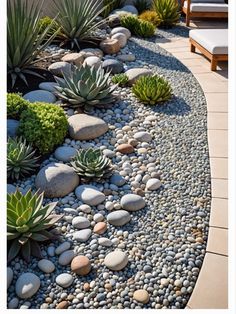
105 242
117 179
40 96
48 86
153 184
58 68
132 202
82 235
27 285
66 257
86 127
89 194
126 58
116 260
118 218
12 127
143 136
64 280
113 65
136 73
65 153
80 222
130 9
56 180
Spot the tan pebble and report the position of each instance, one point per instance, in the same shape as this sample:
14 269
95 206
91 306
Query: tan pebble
48 300
62 305
125 149
108 287
140 192
100 227
86 286
199 240
141 296
110 46
81 265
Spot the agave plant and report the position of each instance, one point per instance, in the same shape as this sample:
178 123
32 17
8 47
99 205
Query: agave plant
21 159
91 163
24 39
85 86
78 20
168 11
27 224
152 89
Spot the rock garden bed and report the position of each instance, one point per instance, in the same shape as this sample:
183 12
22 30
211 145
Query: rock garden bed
136 237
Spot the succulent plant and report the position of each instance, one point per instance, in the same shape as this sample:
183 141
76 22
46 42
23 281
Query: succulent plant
27 224
152 89
25 41
138 27
121 79
91 164
168 12
85 86
150 16
21 159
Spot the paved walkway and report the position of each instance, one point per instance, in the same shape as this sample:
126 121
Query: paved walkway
211 289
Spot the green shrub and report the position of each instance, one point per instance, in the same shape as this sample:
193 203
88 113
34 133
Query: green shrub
85 86
138 27
78 20
150 16
44 126
24 40
152 89
121 79
45 22
142 5
28 222
168 12
15 105
91 163
21 159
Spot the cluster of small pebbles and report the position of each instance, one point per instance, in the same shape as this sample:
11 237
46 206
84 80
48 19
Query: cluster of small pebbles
138 239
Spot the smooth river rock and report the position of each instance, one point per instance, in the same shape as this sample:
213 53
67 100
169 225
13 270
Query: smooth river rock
81 265
116 260
46 266
40 96
66 257
27 285
56 180
82 235
65 153
122 30
64 280
89 194
12 127
153 184
143 136
132 202
141 296
136 73
85 127
80 222
118 218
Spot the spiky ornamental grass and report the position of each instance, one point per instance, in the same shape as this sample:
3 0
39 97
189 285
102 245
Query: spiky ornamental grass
150 16
152 89
168 12
25 41
85 86
78 20
28 221
21 159
121 79
91 164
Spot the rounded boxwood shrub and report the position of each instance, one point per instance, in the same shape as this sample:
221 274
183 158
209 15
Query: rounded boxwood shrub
44 126
15 105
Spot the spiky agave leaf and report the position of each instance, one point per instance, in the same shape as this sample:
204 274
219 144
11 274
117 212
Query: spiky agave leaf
27 223
24 39
21 159
152 89
91 164
85 86
168 12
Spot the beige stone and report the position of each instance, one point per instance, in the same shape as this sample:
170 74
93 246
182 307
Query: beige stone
110 46
81 265
141 296
100 227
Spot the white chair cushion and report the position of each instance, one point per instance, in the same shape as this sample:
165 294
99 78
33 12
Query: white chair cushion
207 7
213 40
208 1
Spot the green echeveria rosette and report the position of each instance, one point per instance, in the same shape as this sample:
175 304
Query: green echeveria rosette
91 164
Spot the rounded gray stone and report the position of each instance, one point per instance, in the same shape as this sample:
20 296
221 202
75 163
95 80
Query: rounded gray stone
118 218
12 127
82 235
65 153
93 61
122 39
104 242
46 266
27 285
136 73
64 280
56 180
9 276
153 184
80 222
58 68
117 179
41 96
132 202
48 86
62 247
113 65
122 30
116 260
66 257
143 136
89 194
86 127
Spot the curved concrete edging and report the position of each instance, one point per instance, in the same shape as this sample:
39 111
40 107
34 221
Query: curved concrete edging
211 289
